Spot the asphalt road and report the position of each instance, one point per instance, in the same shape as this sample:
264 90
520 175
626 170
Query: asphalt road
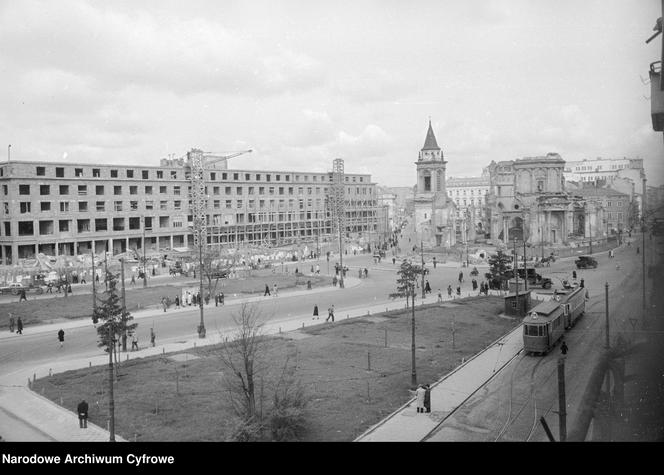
508 408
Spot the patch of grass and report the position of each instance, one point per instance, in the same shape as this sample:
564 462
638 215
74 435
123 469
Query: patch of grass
156 400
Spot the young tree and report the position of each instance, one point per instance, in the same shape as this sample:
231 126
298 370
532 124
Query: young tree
408 274
212 271
114 322
498 269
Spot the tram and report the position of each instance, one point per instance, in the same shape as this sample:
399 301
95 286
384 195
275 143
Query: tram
548 321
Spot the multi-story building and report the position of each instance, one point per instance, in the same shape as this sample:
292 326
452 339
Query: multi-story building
527 200
66 209
469 194
616 206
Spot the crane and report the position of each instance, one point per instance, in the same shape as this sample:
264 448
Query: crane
197 162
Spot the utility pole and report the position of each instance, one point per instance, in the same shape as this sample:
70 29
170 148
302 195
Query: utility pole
606 293
94 287
422 253
201 327
413 372
124 307
562 411
541 241
145 262
643 250
516 275
9 147
525 269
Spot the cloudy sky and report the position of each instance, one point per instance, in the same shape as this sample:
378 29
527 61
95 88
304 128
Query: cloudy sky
304 82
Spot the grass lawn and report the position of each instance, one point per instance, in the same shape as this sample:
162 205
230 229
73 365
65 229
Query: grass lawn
79 305
161 399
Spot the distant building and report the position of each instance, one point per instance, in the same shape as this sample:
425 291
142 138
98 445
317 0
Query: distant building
434 211
527 200
469 194
616 206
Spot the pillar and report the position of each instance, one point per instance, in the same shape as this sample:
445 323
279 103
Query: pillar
171 239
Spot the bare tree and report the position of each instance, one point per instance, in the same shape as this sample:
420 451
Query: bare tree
243 357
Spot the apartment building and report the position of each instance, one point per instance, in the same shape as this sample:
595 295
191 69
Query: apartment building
67 209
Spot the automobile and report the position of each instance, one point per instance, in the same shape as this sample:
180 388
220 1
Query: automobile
586 262
535 279
16 287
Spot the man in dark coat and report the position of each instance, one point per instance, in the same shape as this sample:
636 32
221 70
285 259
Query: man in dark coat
61 337
267 290
563 348
582 284
82 410
315 311
427 398
19 326
22 296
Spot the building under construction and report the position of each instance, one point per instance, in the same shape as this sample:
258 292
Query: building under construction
67 208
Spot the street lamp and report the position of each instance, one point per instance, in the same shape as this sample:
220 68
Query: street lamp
145 267
516 276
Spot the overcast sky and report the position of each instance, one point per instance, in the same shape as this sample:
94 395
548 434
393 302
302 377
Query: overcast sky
304 82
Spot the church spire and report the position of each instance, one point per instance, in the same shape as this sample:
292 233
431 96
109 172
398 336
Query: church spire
430 142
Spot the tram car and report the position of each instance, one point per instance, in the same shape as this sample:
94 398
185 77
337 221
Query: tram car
548 321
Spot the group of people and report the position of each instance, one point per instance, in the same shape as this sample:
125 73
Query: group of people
423 398
275 290
18 324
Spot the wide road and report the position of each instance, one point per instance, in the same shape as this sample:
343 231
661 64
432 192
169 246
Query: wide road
508 408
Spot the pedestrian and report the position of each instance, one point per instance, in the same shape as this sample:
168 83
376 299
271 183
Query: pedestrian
574 274
216 300
366 272
582 284
308 284
69 288
474 284
427 288
97 279
221 298
459 290
315 312
61 337
440 296
11 323
434 262
267 290
563 348
317 269
419 398
637 249
334 280
449 290
22 296
275 289
427 398
394 260
133 279
330 314
153 336
177 301
134 342
83 279
460 277
19 326
49 288
163 303
82 410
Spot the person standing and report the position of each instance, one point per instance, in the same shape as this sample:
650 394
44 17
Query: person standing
427 398
133 279
440 296
82 410
267 290
582 284
574 274
458 290
419 395
449 290
49 288
61 337
153 337
275 289
474 284
460 276
134 342
330 314
434 262
315 312
19 326
427 288
334 280
317 269
22 296
163 303
11 323
177 301
563 348
221 298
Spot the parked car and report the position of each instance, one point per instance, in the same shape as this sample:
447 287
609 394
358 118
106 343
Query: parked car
586 262
16 287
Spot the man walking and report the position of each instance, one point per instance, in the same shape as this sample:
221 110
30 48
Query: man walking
267 290
427 288
19 326
61 337
134 342
82 410
22 297
330 314
563 348
315 317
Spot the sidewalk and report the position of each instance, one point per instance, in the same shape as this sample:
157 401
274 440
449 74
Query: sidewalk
406 425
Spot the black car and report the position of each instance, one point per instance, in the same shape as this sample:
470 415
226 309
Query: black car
586 262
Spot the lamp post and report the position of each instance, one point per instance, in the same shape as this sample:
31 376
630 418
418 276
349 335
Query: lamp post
643 248
541 241
413 370
422 253
145 267
201 326
516 275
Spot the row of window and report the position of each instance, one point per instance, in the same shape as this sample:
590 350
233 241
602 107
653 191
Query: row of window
99 190
159 175
463 192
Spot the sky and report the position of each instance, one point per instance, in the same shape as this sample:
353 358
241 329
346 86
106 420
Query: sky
304 82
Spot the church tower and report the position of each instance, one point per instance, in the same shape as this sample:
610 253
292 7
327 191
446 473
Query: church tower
433 220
